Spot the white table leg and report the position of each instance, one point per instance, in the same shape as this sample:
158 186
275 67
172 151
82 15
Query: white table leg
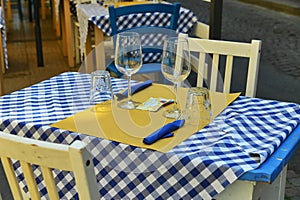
68 33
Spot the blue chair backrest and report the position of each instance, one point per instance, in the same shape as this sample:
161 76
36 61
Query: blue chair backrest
149 32
115 13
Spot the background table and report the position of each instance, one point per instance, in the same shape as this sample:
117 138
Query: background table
238 141
98 15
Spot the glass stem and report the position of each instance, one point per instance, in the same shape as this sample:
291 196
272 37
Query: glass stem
176 92
129 88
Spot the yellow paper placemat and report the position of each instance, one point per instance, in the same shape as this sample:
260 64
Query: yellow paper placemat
107 120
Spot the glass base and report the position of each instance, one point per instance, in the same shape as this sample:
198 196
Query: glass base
173 114
129 105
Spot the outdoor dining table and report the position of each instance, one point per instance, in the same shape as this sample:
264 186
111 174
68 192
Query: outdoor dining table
98 16
254 143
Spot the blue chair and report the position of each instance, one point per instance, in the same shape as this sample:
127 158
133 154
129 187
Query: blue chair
149 33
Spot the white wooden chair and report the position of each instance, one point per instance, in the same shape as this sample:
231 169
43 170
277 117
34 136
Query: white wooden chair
206 62
48 156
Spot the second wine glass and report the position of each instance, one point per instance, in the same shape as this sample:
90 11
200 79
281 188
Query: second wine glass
175 68
128 60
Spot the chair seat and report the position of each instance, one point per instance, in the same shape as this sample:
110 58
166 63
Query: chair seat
150 68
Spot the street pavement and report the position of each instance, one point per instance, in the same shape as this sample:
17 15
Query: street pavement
277 24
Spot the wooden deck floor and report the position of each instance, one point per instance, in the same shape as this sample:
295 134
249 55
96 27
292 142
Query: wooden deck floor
23 68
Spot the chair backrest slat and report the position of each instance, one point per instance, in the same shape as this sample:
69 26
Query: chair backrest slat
201 69
50 183
214 72
228 74
30 181
48 156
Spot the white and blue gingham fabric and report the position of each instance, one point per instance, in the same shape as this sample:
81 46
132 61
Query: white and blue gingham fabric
238 140
99 16
185 22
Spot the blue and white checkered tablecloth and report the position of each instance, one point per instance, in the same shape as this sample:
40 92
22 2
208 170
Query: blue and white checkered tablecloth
185 22
239 140
99 16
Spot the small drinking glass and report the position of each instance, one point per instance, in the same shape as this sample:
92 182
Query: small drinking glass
198 107
101 88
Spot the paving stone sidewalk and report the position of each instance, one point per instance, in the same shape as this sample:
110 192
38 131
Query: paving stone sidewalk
292 188
281 19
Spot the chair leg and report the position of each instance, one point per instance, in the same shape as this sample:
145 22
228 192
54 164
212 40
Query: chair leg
68 33
57 23
2 57
20 10
76 44
8 11
30 10
43 9
2 66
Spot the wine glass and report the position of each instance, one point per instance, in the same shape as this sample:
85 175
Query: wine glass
175 68
128 60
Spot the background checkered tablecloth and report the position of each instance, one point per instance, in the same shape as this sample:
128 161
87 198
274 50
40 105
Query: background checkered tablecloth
198 168
99 16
